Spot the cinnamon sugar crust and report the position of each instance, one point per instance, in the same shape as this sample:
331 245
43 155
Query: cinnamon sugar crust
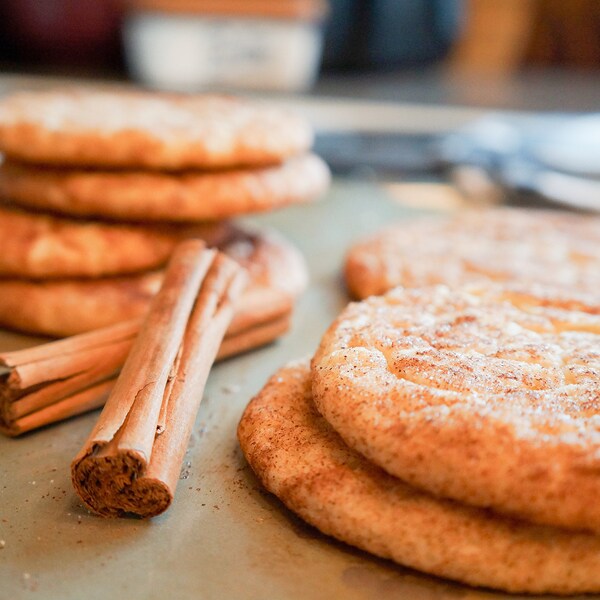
535 246
298 457
119 129
487 394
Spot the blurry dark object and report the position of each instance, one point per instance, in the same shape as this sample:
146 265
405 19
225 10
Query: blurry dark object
565 34
555 157
389 33
62 32
494 37
503 36
384 154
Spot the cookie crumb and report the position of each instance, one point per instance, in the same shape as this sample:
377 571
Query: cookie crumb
231 388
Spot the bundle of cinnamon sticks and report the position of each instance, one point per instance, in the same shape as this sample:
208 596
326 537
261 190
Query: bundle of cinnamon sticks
57 380
54 381
131 461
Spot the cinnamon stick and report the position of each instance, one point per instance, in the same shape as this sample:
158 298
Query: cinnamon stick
38 378
79 402
58 373
131 461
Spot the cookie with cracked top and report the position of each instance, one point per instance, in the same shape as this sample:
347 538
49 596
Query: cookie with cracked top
527 246
488 394
130 129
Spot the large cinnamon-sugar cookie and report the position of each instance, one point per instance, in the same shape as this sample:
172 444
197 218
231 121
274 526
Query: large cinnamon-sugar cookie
186 196
488 395
118 129
41 246
66 307
494 244
300 458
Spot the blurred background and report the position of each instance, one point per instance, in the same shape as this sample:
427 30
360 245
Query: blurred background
189 44
534 63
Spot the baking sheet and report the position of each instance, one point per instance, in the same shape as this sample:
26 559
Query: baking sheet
223 537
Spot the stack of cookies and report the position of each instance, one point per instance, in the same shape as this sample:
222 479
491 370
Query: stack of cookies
452 424
98 187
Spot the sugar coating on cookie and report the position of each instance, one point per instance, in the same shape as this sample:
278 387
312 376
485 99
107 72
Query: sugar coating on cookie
486 394
550 247
298 456
157 131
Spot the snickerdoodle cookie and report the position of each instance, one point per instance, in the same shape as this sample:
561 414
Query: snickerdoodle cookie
495 244
126 129
41 246
486 394
300 458
155 196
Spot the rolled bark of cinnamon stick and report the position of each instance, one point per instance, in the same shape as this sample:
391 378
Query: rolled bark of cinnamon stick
131 461
80 402
61 379
70 372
